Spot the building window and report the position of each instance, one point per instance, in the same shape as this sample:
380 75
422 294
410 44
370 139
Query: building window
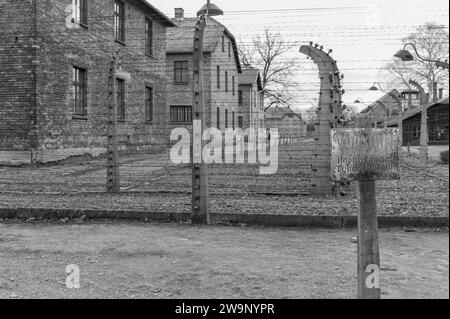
240 98
79 91
120 99
233 87
232 120
148 37
240 124
149 104
181 114
229 49
181 72
119 20
226 81
218 118
80 9
223 43
226 118
218 77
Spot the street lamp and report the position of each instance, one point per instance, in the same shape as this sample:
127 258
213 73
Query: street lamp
406 56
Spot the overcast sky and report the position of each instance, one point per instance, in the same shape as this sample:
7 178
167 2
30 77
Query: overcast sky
363 34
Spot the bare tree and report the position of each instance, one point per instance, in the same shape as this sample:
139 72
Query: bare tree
270 54
432 42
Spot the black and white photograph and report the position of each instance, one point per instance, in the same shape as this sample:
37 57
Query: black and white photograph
224 158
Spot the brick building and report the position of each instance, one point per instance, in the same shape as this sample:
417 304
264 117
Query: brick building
384 109
54 63
291 126
250 100
221 71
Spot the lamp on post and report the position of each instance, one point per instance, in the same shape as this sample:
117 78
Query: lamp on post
200 193
407 56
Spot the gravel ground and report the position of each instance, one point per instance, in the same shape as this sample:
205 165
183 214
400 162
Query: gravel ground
151 183
181 261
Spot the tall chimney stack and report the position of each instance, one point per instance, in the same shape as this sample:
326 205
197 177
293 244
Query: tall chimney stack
179 13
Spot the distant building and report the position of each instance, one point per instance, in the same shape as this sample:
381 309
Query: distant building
438 124
290 124
250 100
222 69
384 109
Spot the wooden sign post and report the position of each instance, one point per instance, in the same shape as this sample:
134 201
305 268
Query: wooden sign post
366 155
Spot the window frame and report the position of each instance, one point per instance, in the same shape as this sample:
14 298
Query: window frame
240 98
149 37
226 81
233 124
233 85
119 21
185 114
226 118
184 67
240 122
218 118
149 103
79 84
121 101
80 15
218 76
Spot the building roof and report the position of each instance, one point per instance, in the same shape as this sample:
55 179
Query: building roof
411 112
383 99
158 15
280 112
181 39
251 76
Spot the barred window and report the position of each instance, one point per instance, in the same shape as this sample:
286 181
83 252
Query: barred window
181 72
181 114
119 20
120 99
148 37
79 91
149 104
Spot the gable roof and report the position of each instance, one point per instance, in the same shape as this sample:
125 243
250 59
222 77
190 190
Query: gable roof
280 112
385 98
158 15
181 39
251 76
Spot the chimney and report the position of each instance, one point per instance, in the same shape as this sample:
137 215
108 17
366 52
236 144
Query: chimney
435 92
179 13
441 93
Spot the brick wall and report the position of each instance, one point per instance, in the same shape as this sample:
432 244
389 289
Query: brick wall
59 48
16 76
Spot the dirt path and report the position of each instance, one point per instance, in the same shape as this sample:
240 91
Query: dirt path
182 261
